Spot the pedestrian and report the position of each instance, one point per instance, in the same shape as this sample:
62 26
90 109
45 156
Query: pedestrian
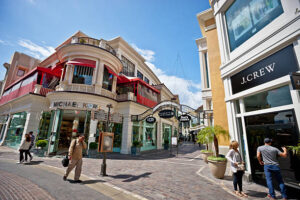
237 168
75 156
27 153
24 146
268 157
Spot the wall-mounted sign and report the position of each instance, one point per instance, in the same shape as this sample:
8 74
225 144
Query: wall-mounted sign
295 80
150 120
116 118
275 66
106 142
166 113
184 118
174 140
74 104
100 115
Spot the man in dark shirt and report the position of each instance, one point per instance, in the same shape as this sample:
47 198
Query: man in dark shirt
32 138
268 156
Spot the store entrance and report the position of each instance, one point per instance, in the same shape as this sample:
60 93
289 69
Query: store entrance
282 128
73 122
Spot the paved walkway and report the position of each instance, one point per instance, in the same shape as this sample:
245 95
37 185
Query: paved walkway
157 175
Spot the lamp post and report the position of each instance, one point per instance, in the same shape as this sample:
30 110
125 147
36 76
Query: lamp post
103 165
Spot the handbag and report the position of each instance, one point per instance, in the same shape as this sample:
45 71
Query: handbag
241 166
65 161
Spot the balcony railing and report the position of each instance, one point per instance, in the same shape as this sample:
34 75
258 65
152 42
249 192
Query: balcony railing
94 42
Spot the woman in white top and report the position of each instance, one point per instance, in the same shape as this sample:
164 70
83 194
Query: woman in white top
24 146
235 159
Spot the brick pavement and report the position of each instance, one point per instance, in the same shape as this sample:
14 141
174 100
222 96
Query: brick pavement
157 175
15 187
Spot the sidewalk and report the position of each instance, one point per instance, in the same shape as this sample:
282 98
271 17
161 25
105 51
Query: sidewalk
157 175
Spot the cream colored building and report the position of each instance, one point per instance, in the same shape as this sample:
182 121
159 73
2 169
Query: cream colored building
69 93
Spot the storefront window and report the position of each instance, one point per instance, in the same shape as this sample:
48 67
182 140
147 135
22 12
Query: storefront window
44 125
245 18
116 129
83 75
107 80
146 133
135 131
269 99
282 128
237 106
128 67
15 130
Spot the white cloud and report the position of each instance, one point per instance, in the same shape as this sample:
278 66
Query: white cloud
147 54
189 92
6 43
39 52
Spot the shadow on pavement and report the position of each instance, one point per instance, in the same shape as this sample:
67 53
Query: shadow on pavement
92 181
256 194
34 163
130 178
227 178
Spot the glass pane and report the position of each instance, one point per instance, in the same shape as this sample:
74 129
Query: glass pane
107 80
246 18
282 128
242 140
237 106
269 99
44 125
83 75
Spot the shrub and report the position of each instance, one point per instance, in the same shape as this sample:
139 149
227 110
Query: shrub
93 145
214 158
41 143
137 143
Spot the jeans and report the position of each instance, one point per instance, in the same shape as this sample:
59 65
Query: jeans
238 180
274 170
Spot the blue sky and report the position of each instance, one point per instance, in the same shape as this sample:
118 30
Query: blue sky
163 31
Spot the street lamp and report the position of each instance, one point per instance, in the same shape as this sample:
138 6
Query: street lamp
103 165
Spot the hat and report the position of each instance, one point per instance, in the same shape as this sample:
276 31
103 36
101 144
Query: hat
267 140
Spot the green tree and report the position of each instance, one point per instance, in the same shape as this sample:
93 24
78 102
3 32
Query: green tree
211 134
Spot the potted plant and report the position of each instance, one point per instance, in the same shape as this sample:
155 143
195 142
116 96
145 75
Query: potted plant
294 152
217 163
41 144
203 138
93 146
166 144
136 147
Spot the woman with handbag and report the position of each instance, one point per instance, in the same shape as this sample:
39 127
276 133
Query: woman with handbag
237 168
24 148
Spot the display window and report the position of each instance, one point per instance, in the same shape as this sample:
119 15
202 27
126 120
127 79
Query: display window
146 133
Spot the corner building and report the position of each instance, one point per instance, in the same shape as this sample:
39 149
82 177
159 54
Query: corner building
259 47
69 93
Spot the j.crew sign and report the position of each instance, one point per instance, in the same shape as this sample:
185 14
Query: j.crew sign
275 66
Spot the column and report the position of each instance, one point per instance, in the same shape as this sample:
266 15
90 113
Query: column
32 122
159 134
114 86
126 135
93 129
99 78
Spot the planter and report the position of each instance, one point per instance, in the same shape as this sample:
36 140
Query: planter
39 152
205 155
217 168
135 151
166 146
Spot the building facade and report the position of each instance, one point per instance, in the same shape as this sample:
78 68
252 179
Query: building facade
260 47
77 88
214 107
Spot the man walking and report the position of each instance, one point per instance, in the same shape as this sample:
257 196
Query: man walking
32 139
75 156
268 156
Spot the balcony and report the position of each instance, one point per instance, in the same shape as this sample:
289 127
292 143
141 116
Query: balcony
126 97
94 42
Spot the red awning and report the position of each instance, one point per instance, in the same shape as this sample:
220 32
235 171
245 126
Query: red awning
110 70
124 79
82 62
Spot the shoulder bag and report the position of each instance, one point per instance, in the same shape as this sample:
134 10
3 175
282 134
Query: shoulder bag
65 160
241 166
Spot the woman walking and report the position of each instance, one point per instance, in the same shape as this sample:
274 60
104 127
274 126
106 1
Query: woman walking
24 147
237 168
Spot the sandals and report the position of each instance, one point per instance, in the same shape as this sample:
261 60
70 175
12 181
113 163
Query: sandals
244 194
237 193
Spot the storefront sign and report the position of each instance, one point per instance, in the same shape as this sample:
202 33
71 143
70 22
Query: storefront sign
295 80
106 142
74 104
150 120
275 66
100 115
116 118
166 113
184 118
174 140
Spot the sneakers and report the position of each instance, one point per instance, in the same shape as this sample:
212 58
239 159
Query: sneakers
20 162
64 178
30 159
270 197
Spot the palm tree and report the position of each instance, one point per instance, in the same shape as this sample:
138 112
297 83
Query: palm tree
210 134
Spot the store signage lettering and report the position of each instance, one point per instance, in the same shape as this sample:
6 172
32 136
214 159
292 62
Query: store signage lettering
268 69
166 113
150 120
184 118
73 104
260 73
